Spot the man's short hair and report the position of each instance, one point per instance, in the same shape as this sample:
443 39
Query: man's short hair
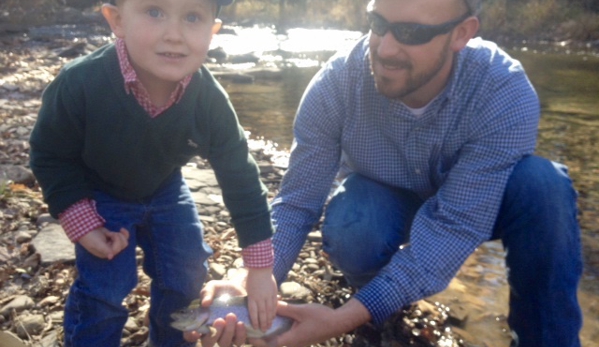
474 6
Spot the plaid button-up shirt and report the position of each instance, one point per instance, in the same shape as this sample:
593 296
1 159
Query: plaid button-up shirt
457 156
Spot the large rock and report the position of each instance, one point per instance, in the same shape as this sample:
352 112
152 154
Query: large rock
197 179
53 245
16 173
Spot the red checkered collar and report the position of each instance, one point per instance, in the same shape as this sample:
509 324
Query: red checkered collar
134 85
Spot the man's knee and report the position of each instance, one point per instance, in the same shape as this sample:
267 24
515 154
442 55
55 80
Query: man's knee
538 211
365 224
535 178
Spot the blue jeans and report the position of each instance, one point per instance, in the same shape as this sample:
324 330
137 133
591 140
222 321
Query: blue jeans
168 230
536 223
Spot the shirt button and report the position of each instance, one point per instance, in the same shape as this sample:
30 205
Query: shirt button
417 171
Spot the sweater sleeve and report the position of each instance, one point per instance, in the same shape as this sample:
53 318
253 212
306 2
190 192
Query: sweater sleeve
56 142
238 175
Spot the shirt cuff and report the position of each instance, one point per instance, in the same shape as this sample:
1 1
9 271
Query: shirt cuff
259 255
381 298
80 219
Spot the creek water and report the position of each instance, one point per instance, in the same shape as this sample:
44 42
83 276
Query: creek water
568 87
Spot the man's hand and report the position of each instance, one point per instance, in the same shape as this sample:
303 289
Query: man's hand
316 323
227 331
262 297
104 243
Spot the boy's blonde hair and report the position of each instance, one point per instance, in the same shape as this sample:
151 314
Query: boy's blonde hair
219 3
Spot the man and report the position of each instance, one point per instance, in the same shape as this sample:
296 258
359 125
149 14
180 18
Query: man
435 133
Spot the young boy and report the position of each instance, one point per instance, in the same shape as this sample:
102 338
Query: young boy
113 131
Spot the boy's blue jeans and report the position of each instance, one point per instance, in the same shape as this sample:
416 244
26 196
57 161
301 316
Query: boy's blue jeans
536 223
167 228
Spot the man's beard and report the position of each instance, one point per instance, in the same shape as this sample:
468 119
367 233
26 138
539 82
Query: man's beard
387 87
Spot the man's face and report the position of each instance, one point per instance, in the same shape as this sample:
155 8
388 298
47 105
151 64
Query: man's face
166 39
412 73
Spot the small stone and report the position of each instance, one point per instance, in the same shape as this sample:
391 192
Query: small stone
4 254
8 339
140 336
294 290
217 271
50 340
315 236
56 317
32 261
457 315
29 325
266 167
22 237
49 300
312 267
45 218
207 219
18 304
131 325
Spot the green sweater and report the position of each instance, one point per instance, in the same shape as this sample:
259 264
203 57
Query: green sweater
90 134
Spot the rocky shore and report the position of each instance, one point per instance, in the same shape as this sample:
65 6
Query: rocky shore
36 270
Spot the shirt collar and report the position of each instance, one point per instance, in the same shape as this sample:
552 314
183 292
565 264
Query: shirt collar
130 76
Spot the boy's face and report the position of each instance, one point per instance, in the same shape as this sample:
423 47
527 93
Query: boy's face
166 39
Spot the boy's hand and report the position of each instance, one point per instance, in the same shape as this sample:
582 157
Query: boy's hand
105 244
261 287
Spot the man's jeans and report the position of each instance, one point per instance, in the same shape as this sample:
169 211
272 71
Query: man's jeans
536 223
167 228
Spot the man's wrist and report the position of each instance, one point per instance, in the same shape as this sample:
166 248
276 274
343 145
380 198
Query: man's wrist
351 315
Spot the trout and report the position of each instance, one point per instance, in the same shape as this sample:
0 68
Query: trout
200 319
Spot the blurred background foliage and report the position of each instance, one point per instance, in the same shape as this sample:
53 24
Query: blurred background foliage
553 20
513 19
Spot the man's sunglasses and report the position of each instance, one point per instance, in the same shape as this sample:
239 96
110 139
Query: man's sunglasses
411 33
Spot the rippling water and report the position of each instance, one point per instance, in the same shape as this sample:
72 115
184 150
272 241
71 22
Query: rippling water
568 86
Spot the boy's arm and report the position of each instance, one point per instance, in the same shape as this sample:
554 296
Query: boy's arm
238 175
245 196
56 144
260 283
55 159
80 219
262 297
82 223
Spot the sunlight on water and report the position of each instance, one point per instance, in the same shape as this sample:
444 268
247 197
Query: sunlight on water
318 40
247 40
265 39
